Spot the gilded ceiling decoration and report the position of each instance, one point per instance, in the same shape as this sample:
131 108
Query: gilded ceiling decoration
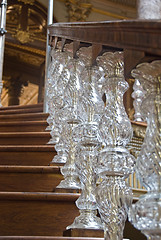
25 50
78 10
25 57
23 36
29 49
26 22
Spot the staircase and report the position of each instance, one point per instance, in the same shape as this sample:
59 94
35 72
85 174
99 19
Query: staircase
29 206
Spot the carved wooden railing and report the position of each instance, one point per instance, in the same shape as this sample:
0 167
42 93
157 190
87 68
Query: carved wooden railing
140 40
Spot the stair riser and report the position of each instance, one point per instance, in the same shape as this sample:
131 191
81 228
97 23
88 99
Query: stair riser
19 111
23 117
24 140
39 105
36 218
36 128
26 158
29 182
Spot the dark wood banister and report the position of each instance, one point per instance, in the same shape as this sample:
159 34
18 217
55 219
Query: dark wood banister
139 39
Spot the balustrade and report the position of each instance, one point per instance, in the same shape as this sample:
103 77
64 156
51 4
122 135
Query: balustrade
95 136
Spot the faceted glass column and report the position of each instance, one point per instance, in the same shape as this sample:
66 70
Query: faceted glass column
58 78
87 136
115 163
145 214
71 116
138 95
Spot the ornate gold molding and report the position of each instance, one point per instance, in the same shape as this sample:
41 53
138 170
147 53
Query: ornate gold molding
78 10
108 13
22 23
26 48
23 36
137 193
25 57
139 131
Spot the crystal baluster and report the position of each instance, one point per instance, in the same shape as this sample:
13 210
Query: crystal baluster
89 141
59 85
115 162
52 66
71 117
114 197
138 95
55 59
71 178
62 146
59 79
145 214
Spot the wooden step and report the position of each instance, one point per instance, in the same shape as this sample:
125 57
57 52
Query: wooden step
81 232
29 178
130 233
43 214
36 214
36 155
23 117
40 105
24 138
20 111
23 126
47 238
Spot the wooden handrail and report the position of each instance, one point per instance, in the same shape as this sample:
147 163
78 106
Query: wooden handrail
139 39
142 35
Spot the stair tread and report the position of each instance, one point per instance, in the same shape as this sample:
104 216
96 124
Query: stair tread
29 178
39 196
48 238
24 138
19 111
30 169
22 106
29 148
144 124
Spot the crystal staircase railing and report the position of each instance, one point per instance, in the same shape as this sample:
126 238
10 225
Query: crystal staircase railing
93 137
